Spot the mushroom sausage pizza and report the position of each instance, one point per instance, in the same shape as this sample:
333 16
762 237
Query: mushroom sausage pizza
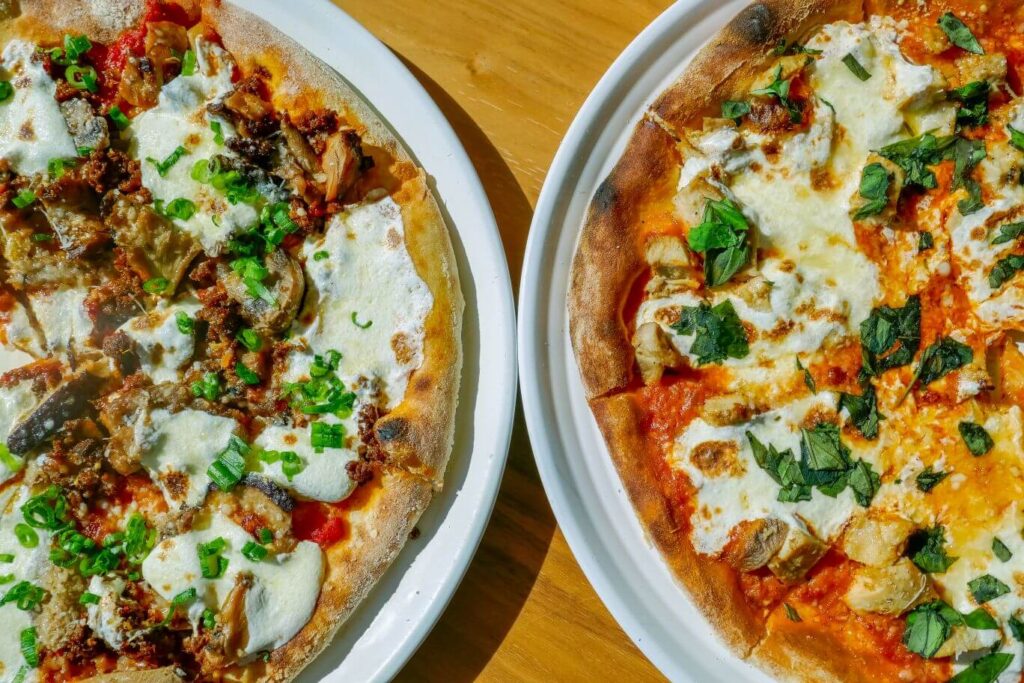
798 311
230 323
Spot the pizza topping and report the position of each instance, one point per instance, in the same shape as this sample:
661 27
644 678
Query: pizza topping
975 437
891 589
959 34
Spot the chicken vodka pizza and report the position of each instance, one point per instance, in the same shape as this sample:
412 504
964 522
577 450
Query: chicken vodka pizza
230 323
798 311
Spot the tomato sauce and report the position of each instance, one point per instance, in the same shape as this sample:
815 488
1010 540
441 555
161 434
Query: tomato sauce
327 523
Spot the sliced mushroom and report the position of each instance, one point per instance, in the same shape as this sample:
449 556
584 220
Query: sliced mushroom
754 543
727 409
964 639
73 213
140 82
654 352
799 553
67 402
87 129
342 160
151 244
280 497
166 41
300 149
971 381
887 590
286 284
877 539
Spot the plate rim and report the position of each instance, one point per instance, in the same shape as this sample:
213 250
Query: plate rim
334 22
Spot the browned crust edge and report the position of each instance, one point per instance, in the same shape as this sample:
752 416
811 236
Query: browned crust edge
609 258
802 653
724 68
712 584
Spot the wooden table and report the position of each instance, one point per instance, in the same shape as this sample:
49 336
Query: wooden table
510 76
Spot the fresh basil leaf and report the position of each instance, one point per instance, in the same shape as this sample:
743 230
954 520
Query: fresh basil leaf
1000 550
874 187
856 67
822 449
791 613
927 550
891 336
782 468
1005 269
915 155
1016 628
782 49
926 629
986 588
723 238
736 110
1016 137
779 88
925 241
939 359
976 438
808 378
863 411
928 479
981 620
973 99
864 483
966 155
984 669
1009 233
717 332
959 34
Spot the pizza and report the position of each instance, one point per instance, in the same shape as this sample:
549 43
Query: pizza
230 318
798 315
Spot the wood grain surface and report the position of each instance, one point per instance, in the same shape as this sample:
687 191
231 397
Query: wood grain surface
510 76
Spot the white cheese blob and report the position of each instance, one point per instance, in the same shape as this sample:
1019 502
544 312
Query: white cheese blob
742 491
178 448
21 341
62 317
324 476
15 403
163 349
103 617
367 273
32 129
284 589
180 119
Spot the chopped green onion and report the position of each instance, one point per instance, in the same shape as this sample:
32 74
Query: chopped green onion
218 132
139 539
48 510
179 208
254 551
84 151
118 117
156 285
291 463
6 558
55 168
229 467
212 564
6 578
209 619
188 63
323 435
42 237
266 536
6 90
208 387
12 463
320 255
25 596
23 199
26 535
74 48
28 647
89 599
362 326
245 374
250 339
180 600
162 167
82 77
186 325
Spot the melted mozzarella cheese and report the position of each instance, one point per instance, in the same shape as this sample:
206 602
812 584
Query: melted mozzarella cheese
367 273
103 617
284 590
177 449
15 402
162 348
324 476
32 129
181 119
739 490
21 341
62 317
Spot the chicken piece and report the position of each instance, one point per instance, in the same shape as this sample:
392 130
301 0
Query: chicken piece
755 292
971 381
887 590
300 149
727 409
963 639
989 68
87 129
798 554
690 201
668 258
140 82
342 162
754 543
654 352
877 539
888 212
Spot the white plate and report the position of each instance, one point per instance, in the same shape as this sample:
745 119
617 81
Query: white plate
592 509
400 611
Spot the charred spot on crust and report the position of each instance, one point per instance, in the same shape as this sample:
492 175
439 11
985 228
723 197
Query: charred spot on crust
607 195
754 24
392 429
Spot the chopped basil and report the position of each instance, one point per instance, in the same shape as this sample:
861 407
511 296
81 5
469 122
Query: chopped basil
229 467
976 438
856 67
938 360
791 613
779 88
1005 269
823 448
188 63
23 199
928 627
6 91
808 378
323 435
212 564
156 285
985 669
162 167
118 117
362 326
1017 628
928 479
987 587
915 155
245 374
981 620
973 99
781 467
927 549
723 238
890 337
254 551
1000 550
966 155
863 411
717 332
1008 233
874 187
736 110
1016 137
925 241
959 34
783 48
250 339
208 387
82 78
186 324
